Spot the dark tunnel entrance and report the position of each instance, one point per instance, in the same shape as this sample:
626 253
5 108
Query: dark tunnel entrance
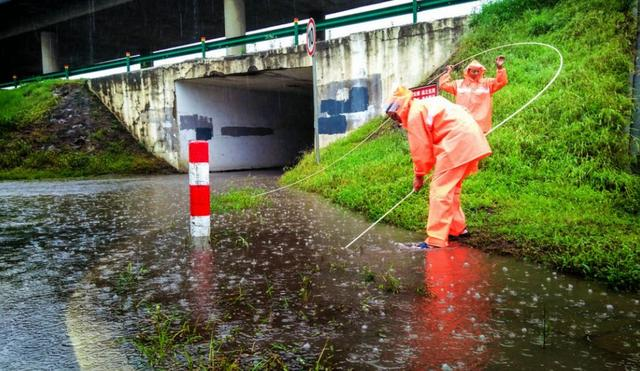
252 121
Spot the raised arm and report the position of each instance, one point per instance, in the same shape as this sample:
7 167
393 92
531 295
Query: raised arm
501 76
446 83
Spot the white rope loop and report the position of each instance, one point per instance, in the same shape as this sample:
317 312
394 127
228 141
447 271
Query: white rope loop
387 120
490 131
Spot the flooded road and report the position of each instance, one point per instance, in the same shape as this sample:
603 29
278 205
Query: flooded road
278 279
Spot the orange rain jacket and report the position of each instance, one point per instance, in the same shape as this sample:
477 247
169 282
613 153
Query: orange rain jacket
476 94
440 133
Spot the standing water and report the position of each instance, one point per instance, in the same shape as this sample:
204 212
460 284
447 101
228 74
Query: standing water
277 281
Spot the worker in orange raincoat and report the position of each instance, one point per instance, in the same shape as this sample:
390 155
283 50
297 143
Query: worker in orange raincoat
475 91
443 136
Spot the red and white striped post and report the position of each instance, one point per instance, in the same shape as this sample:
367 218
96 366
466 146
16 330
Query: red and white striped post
200 222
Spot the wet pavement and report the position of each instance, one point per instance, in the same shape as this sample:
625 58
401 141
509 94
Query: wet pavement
279 276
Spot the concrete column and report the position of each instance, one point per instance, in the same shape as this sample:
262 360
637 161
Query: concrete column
49 47
235 23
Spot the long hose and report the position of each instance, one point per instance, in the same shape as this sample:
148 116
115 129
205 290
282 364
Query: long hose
490 131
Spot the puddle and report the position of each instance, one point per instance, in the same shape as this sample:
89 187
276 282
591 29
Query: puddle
279 275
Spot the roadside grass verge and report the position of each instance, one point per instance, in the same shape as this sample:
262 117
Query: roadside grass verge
57 129
28 103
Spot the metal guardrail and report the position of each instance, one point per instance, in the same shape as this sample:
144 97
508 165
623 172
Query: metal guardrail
294 30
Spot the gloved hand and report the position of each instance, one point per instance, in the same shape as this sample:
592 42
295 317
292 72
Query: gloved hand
500 61
418 182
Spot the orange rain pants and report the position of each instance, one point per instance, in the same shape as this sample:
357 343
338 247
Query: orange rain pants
442 136
476 94
445 212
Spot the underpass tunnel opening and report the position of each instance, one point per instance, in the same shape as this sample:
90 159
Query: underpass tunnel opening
252 121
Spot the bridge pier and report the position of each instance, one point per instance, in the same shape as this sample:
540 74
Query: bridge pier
235 23
49 47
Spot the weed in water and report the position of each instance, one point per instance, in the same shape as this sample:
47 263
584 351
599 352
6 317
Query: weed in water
272 361
305 289
217 360
389 282
129 278
241 299
227 237
163 335
324 358
237 200
424 291
365 303
368 275
340 266
546 327
242 242
269 290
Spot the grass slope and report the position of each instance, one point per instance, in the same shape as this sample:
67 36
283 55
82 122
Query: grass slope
557 188
57 129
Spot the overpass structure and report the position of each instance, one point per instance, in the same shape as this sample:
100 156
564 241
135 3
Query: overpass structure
31 50
256 110
41 36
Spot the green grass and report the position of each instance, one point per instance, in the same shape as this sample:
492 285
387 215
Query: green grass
129 278
29 103
80 164
31 149
558 188
169 339
236 200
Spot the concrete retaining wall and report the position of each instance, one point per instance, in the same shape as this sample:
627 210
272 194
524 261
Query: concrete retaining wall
356 74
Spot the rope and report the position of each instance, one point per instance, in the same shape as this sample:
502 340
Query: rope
430 82
379 219
490 131
328 166
541 91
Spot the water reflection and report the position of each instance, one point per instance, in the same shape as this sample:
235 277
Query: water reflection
452 324
202 280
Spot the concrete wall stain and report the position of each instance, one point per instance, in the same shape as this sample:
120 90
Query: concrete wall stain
245 131
332 125
191 122
357 102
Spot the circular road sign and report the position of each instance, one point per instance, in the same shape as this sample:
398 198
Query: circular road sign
311 37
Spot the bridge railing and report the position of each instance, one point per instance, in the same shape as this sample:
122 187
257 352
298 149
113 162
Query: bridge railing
204 46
